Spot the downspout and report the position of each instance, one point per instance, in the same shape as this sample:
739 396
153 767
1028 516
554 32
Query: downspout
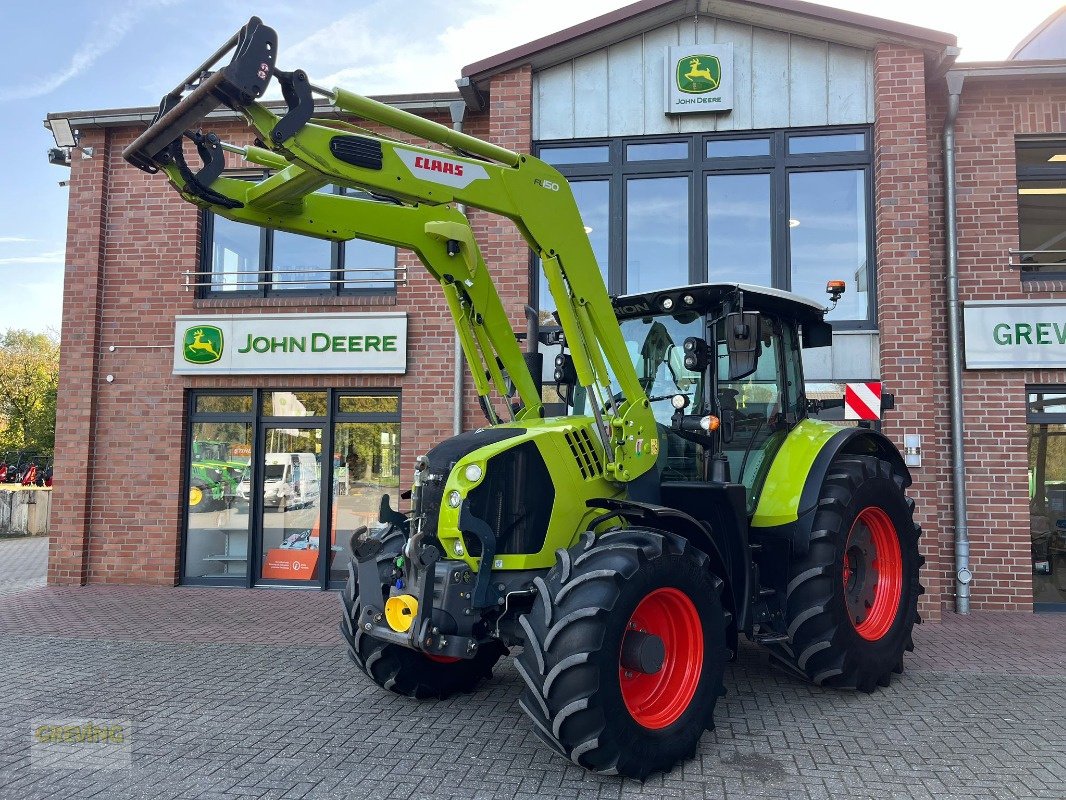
963 575
458 111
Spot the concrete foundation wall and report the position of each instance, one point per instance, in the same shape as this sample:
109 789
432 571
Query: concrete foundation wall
25 511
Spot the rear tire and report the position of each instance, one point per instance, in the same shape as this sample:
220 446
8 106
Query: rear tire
401 670
583 702
852 600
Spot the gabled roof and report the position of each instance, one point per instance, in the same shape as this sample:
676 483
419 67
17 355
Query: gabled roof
794 16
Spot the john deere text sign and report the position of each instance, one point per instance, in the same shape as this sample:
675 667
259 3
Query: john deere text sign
1019 335
285 344
699 78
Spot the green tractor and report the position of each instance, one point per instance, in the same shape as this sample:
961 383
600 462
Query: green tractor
213 475
688 499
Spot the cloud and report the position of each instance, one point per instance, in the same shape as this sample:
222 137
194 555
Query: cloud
50 257
104 36
14 239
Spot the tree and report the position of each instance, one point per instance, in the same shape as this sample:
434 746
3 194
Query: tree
29 379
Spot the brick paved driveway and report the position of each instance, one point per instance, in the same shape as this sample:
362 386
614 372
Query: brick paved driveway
237 693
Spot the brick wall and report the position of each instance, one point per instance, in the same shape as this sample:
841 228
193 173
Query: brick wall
905 281
119 444
992 114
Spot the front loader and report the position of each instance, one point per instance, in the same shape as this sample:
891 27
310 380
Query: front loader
688 498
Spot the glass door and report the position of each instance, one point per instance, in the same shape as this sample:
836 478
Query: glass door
289 512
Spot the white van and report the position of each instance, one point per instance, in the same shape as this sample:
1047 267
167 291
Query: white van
289 480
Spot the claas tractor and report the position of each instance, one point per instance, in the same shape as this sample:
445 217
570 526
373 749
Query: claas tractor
687 499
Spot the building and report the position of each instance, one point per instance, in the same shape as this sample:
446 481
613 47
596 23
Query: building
821 155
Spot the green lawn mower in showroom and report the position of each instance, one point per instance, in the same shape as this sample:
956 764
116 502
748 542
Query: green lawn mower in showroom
688 498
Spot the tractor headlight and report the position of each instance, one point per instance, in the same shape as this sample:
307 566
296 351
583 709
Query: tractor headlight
473 473
679 401
455 499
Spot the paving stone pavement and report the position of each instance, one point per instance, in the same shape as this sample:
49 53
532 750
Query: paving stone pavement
248 693
23 563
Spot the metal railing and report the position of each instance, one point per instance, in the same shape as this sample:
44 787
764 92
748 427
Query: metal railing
1038 260
347 277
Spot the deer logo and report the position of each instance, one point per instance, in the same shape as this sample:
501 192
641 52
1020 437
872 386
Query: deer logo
698 74
203 344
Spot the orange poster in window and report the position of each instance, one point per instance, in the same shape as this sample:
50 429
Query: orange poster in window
290 565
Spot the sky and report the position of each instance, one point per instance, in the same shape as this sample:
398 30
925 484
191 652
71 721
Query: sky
67 56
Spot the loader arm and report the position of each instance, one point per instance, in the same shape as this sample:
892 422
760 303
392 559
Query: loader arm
423 185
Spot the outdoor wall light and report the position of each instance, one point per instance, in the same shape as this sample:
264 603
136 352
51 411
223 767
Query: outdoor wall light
912 449
110 378
66 137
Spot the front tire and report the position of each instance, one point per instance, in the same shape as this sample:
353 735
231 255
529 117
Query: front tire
402 670
852 601
587 697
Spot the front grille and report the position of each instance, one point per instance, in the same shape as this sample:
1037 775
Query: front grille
585 453
515 498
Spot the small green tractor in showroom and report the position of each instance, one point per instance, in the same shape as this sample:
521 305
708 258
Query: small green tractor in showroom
214 476
688 498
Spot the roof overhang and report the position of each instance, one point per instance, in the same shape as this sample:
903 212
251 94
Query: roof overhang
793 16
436 103
1010 70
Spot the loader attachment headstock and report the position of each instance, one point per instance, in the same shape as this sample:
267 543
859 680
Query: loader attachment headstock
236 85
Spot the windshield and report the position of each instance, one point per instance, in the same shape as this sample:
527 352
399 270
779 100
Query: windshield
210 451
655 346
274 472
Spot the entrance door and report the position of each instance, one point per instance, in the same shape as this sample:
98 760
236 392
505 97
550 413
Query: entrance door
289 516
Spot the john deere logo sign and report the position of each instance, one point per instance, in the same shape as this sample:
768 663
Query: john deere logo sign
699 74
286 344
203 344
699 80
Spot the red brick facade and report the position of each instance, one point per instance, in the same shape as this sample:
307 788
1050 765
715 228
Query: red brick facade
117 515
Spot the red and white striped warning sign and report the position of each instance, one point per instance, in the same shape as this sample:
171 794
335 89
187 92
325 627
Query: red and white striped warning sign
862 400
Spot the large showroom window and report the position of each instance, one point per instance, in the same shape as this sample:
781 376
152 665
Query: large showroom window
1041 168
267 471
789 209
1047 494
241 258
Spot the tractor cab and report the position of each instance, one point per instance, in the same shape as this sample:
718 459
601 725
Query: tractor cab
721 366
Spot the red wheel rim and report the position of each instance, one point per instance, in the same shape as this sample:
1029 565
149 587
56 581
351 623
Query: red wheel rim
873 574
659 699
441 659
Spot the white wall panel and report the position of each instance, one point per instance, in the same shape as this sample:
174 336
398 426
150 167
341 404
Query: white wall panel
808 102
625 63
853 356
780 80
590 100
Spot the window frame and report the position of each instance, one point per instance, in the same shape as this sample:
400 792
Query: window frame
1037 174
698 167
259 422
337 268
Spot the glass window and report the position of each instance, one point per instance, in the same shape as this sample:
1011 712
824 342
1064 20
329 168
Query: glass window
223 403
656 151
594 154
290 509
366 459
738 228
657 233
235 256
369 265
300 262
1047 495
827 143
593 201
746 230
216 545
737 148
828 237
1041 206
294 404
368 404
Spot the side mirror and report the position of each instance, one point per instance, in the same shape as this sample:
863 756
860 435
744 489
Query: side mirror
742 343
